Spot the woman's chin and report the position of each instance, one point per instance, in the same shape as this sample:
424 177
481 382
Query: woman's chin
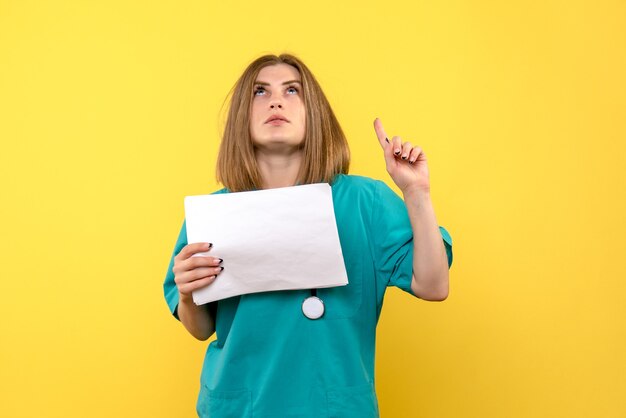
278 143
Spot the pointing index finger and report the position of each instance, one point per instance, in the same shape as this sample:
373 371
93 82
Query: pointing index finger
380 133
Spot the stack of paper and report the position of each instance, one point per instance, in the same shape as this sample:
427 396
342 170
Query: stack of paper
275 239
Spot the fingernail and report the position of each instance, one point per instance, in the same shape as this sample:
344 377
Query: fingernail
387 139
397 152
404 157
220 260
222 268
210 244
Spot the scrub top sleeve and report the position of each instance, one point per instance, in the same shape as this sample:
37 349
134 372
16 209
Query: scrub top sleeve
169 286
447 241
392 237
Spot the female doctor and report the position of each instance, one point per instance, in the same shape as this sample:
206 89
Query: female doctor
274 355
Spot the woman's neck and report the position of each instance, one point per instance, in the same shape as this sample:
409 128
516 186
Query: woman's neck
278 170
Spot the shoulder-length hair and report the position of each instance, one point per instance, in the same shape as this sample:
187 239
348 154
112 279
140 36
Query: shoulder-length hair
325 148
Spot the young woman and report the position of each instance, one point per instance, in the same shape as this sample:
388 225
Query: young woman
269 358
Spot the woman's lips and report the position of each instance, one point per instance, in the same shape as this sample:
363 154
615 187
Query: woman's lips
277 122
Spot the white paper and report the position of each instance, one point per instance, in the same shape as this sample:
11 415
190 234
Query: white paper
275 239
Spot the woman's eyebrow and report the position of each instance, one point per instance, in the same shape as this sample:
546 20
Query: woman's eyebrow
263 83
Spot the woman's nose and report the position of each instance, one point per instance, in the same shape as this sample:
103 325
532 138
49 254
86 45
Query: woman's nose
276 106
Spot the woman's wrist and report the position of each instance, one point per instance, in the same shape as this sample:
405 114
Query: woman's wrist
185 298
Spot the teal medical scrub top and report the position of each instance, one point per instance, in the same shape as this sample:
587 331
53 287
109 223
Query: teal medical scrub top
269 360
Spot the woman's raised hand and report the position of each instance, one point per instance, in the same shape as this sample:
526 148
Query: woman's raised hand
191 273
406 164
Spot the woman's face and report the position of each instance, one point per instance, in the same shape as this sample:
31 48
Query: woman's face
277 93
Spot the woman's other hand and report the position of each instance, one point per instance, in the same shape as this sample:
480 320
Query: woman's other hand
191 273
406 164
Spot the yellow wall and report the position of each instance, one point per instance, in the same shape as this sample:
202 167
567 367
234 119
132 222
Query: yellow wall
109 116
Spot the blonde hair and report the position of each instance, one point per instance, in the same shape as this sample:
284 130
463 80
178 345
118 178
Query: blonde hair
325 148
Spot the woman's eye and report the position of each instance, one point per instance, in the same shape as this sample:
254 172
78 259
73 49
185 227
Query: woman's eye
260 90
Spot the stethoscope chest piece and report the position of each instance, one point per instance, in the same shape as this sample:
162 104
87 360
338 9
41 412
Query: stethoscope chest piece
313 307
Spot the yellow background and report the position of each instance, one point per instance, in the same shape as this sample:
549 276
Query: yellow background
110 115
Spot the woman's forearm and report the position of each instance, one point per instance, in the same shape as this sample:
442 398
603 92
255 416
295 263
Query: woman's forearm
197 319
430 262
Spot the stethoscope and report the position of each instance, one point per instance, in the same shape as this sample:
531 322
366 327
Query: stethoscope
312 306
